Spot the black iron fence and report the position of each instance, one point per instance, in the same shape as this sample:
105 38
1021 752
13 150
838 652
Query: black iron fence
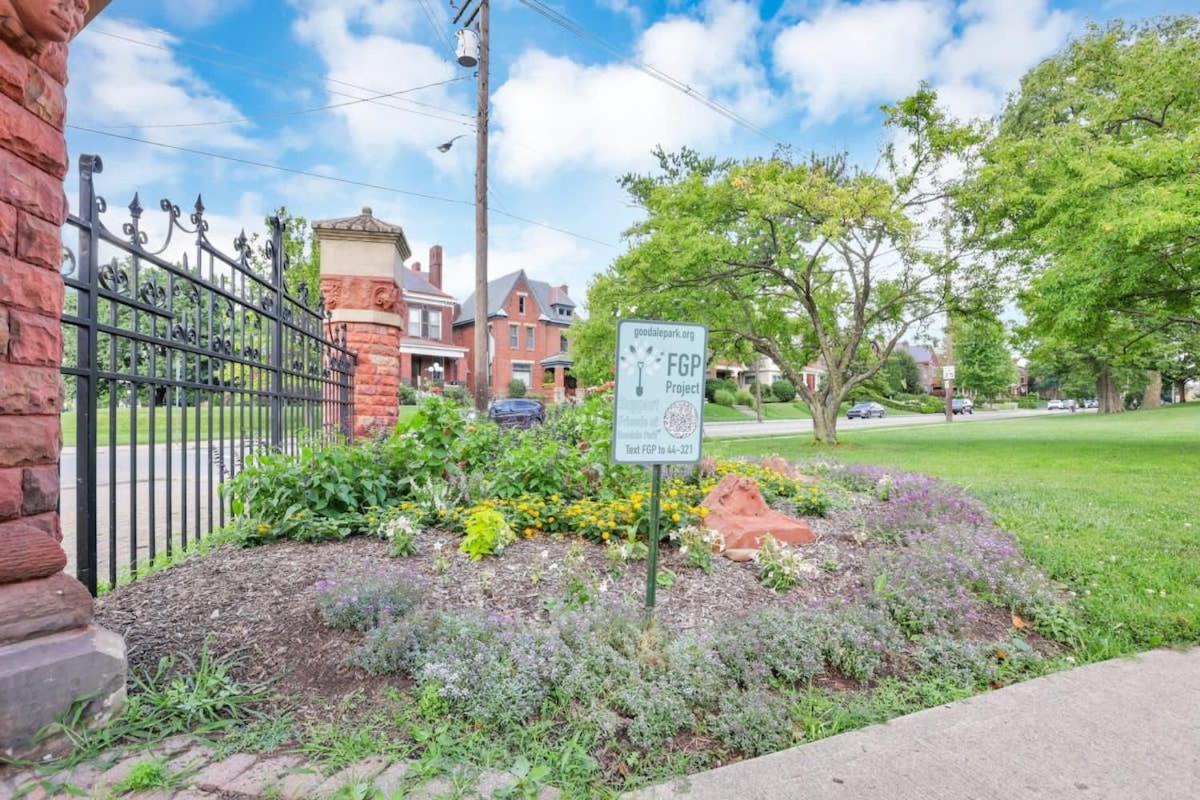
179 363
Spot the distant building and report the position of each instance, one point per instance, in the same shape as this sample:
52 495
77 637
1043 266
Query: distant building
527 324
929 366
428 354
764 371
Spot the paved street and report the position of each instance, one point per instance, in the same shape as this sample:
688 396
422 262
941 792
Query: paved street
1120 730
790 427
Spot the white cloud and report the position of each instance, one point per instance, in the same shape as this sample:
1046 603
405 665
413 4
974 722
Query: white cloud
362 42
626 8
554 112
844 58
130 87
198 13
848 55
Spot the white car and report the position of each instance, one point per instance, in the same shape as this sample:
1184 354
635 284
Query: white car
1055 405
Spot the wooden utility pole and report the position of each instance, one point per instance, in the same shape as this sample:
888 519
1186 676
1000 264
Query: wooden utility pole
948 382
483 375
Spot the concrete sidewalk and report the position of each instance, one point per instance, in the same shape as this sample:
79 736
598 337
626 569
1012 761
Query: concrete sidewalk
1127 729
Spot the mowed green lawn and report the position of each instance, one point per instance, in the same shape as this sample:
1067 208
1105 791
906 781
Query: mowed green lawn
1109 506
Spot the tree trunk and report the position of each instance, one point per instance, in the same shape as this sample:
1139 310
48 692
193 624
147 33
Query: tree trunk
1180 391
758 397
1152 396
825 421
1108 394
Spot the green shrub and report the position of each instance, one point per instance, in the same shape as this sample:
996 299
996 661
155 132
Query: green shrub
723 397
744 398
783 390
516 388
487 534
457 394
362 604
1029 401
407 395
780 567
752 723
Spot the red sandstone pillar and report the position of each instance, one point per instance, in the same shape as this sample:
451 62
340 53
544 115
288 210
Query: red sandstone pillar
50 653
361 259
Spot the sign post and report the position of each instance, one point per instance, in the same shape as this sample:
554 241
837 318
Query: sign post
658 414
948 390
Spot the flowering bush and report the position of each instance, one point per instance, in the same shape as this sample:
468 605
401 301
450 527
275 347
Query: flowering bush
398 529
780 567
697 544
753 723
857 638
975 664
487 534
364 604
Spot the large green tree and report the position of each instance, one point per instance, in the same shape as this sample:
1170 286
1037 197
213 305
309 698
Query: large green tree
982 356
797 260
1092 183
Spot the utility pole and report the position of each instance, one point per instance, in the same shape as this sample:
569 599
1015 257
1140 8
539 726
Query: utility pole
480 12
948 371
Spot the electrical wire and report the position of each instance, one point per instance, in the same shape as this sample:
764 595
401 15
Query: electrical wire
302 111
273 77
563 21
437 29
337 179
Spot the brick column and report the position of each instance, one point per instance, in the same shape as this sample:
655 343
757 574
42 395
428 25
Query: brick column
50 653
361 279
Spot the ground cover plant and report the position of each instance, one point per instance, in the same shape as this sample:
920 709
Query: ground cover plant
490 613
1104 505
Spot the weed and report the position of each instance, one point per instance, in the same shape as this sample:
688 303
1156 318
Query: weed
146 775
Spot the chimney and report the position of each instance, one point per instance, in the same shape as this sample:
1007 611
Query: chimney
416 267
435 265
564 290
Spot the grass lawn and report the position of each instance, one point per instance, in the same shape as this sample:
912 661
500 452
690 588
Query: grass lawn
1106 505
716 413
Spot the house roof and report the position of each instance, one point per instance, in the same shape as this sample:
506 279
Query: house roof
499 290
922 354
364 223
417 282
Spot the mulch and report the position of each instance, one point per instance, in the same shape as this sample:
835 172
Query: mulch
259 604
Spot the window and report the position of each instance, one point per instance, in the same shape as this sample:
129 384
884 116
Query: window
514 336
521 304
562 344
530 337
433 323
523 373
424 323
414 321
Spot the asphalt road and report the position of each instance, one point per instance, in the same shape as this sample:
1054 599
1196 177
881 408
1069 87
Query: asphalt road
791 427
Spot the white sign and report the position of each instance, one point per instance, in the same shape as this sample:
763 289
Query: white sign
659 409
947 373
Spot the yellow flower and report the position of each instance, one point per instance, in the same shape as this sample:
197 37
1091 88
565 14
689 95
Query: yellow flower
674 493
676 517
604 536
262 527
703 512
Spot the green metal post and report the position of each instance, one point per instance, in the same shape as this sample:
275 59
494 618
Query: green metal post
652 559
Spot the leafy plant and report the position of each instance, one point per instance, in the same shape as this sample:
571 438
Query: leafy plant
516 388
487 534
362 604
399 530
147 775
697 543
780 567
783 390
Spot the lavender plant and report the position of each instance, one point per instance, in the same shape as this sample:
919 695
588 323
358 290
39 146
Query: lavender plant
362 604
753 723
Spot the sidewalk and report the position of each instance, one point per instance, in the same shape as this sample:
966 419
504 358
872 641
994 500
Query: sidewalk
1127 729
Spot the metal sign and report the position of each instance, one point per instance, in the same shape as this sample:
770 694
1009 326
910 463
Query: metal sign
947 373
659 408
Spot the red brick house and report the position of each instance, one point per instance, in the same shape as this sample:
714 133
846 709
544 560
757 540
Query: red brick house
428 355
527 324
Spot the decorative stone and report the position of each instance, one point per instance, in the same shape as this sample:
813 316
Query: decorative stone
42 606
392 778
259 778
35 339
25 286
39 489
40 679
737 509
29 440
741 554
32 138
29 552
8 233
30 189
10 498
782 466
28 390
363 771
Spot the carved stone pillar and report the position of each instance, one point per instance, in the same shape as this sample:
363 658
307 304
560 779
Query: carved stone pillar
361 279
50 653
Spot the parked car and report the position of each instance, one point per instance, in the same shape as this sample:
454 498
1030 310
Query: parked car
1055 405
962 405
866 411
517 412
1091 404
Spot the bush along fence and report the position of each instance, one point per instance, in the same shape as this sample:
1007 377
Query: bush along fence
192 360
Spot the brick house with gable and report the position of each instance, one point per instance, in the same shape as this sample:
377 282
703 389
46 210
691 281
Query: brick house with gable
527 322
428 355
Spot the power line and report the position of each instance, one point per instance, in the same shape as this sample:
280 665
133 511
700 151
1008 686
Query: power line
302 111
269 76
563 21
336 179
437 29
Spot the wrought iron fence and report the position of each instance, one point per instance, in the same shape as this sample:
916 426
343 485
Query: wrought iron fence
179 363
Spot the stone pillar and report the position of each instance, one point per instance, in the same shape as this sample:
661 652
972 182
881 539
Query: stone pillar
361 279
50 653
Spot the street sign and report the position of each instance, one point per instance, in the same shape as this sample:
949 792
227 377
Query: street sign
658 416
947 373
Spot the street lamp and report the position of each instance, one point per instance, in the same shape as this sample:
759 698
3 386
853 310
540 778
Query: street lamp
444 147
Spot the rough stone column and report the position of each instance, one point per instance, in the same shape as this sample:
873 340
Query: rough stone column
50 653
361 259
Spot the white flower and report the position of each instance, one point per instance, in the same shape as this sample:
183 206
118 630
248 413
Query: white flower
545 554
683 550
603 586
437 547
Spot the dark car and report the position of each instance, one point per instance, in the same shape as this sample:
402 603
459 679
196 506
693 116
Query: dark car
962 405
517 412
866 411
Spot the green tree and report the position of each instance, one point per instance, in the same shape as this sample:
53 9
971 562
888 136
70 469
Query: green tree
1090 183
984 362
901 374
797 260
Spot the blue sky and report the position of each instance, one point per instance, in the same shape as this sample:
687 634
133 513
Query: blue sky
568 117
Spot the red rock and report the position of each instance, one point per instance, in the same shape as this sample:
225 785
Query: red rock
29 287
31 189
10 492
48 523
29 440
34 339
42 606
737 509
38 242
781 465
39 486
8 230
32 138
28 553
28 390
14 72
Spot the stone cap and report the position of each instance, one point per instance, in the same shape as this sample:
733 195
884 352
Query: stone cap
363 226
